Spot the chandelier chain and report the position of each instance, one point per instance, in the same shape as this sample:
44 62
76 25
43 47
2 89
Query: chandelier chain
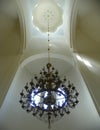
48 39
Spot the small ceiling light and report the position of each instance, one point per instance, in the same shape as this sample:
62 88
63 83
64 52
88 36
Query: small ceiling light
48 97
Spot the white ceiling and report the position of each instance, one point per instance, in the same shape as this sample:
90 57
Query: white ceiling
34 56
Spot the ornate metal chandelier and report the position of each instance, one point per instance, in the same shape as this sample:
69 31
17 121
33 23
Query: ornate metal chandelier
48 97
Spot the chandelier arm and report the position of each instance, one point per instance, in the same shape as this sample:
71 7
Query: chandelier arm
64 94
59 98
40 96
49 121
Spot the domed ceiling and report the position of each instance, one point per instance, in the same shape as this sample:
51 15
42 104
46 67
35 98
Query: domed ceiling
47 12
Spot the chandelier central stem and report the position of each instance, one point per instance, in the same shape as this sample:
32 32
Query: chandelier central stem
49 121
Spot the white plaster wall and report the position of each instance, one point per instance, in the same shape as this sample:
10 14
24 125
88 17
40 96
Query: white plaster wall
8 67
10 112
85 116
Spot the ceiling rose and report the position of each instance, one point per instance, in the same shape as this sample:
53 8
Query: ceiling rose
42 10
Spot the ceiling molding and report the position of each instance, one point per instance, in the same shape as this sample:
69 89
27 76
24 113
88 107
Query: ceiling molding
73 22
22 25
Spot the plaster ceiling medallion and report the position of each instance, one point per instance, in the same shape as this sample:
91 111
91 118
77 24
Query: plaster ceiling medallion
45 9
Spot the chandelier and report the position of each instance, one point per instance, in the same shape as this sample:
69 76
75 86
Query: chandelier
47 96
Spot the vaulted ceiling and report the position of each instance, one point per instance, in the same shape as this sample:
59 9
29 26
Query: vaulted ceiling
75 50
86 45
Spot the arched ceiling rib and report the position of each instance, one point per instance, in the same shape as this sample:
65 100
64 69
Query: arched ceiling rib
11 44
